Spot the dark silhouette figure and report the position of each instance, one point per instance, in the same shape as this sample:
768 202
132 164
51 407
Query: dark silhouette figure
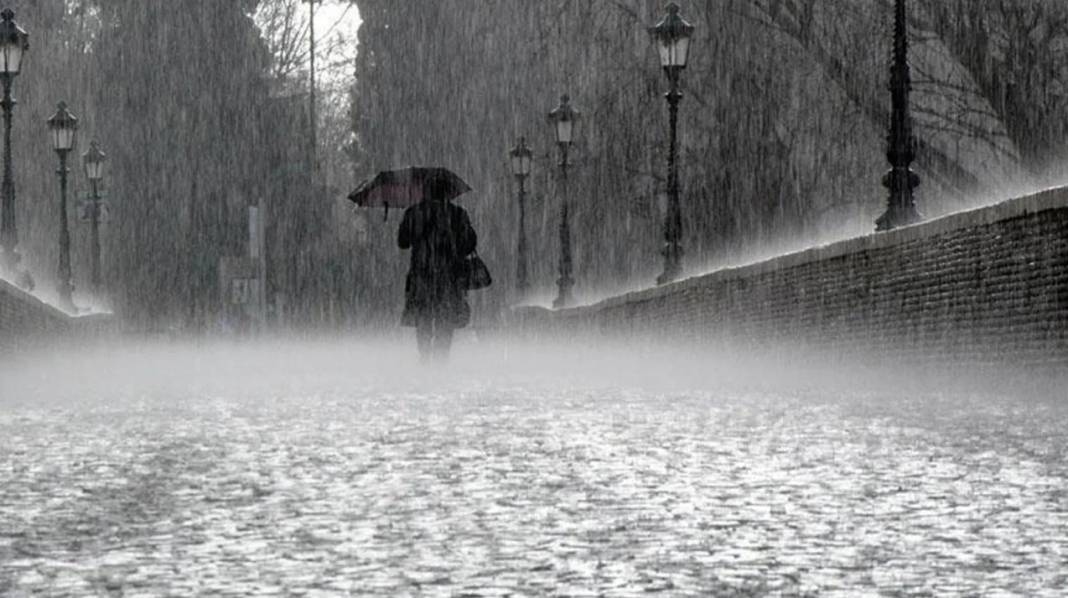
440 236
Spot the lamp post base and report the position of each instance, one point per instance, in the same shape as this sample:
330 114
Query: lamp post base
670 274
895 218
563 299
672 261
66 303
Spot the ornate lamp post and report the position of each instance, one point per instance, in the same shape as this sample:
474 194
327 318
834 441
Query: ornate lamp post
900 180
672 36
14 42
64 128
563 118
94 160
521 160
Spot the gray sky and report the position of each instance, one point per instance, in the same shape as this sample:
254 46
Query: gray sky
332 18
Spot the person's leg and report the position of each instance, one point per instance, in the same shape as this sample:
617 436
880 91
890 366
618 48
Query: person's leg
442 340
424 338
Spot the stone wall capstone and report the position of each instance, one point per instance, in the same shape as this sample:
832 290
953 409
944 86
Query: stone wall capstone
27 321
23 317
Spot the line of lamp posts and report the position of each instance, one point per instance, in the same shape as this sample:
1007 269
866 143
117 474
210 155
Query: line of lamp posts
63 126
672 35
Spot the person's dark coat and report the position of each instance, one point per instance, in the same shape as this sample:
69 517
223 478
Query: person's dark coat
440 237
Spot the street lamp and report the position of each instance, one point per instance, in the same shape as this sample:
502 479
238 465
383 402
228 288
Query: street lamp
14 43
94 160
672 35
64 127
900 180
521 160
564 118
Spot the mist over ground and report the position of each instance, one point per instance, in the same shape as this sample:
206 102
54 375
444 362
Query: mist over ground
335 466
387 362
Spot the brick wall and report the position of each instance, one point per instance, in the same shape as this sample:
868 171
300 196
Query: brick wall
984 286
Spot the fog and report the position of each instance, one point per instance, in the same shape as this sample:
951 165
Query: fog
314 365
335 467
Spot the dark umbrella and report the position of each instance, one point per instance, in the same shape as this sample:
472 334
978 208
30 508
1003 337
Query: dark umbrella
406 187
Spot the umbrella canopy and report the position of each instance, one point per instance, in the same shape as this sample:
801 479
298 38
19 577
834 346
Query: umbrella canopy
407 187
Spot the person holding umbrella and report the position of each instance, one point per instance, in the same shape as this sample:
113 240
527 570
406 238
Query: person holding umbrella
440 236
442 241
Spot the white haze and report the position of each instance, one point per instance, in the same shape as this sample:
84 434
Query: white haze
388 364
340 467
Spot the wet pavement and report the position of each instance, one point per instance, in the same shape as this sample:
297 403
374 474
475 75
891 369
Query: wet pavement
165 473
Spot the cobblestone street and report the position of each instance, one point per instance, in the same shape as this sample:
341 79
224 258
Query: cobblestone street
215 471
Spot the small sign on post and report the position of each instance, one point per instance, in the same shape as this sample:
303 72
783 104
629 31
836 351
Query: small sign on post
237 276
240 291
87 206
